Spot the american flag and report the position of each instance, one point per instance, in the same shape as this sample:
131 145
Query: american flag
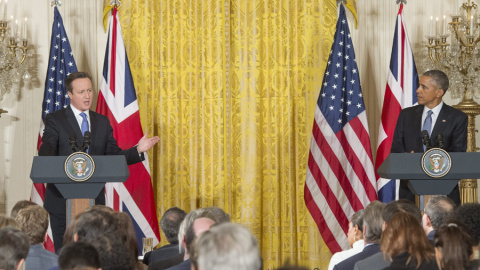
340 179
118 101
399 94
60 65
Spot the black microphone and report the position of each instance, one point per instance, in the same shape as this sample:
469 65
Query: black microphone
86 141
73 143
426 139
440 142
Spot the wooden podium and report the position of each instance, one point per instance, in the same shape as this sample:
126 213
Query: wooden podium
79 195
407 166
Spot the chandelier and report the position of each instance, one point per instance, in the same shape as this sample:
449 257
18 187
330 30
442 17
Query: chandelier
13 52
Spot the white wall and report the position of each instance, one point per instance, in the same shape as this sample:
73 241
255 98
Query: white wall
83 23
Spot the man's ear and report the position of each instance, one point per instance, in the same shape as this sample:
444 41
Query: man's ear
19 264
45 237
75 237
184 244
427 219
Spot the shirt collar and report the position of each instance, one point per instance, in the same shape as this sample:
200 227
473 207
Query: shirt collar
436 110
77 112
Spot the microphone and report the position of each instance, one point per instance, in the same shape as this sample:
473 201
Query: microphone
73 143
86 141
440 142
426 139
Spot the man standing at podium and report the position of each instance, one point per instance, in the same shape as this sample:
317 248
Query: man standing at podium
436 118
72 122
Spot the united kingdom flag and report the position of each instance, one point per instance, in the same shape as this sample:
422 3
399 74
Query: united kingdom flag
118 101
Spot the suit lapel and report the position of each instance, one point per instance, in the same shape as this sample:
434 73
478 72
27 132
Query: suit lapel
93 127
442 121
72 121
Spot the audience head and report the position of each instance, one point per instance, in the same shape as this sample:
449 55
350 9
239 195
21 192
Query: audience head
33 221
14 246
404 234
227 246
170 223
401 205
200 225
187 222
355 228
8 222
469 214
126 233
373 222
453 247
78 256
438 211
217 214
20 205
94 223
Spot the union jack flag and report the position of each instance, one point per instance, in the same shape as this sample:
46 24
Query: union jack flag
118 101
400 93
340 179
55 97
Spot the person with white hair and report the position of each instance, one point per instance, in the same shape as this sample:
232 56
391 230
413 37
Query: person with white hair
227 246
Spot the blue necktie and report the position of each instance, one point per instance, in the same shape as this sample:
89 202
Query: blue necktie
85 123
427 125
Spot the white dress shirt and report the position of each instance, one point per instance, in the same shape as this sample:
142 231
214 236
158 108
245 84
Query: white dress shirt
343 255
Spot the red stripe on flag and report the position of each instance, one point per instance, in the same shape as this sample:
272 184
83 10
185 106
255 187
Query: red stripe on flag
317 216
116 201
336 168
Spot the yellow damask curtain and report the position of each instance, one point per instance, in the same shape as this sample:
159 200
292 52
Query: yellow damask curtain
230 87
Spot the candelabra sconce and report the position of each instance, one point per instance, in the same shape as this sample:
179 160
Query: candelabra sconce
459 58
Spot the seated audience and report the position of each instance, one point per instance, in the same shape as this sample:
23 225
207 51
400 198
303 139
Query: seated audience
14 247
469 214
20 205
378 261
355 240
78 256
438 211
170 225
227 246
128 236
8 222
33 221
453 247
405 242
217 214
372 231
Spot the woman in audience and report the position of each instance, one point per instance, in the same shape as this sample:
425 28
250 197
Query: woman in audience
405 242
453 247
355 240
8 222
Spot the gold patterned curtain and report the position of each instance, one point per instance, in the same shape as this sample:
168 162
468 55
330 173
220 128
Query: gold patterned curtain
230 87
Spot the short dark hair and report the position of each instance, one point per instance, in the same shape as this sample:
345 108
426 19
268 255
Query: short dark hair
469 214
14 246
95 223
73 76
33 221
401 205
439 210
170 223
78 254
20 205
440 79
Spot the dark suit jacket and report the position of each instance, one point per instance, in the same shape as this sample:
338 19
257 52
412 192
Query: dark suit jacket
164 253
399 262
451 123
185 265
59 127
167 263
349 263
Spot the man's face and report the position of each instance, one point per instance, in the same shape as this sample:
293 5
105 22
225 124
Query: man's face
82 95
428 93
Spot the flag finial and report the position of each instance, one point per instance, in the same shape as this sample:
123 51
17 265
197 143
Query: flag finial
402 2
115 3
56 3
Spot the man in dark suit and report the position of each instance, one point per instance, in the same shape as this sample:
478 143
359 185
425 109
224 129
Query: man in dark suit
74 121
434 116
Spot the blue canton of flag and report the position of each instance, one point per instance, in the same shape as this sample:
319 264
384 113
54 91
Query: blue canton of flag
341 95
60 65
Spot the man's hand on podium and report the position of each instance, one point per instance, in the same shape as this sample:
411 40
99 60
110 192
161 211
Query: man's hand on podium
146 143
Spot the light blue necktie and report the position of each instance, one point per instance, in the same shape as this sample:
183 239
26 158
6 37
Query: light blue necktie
84 125
427 125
